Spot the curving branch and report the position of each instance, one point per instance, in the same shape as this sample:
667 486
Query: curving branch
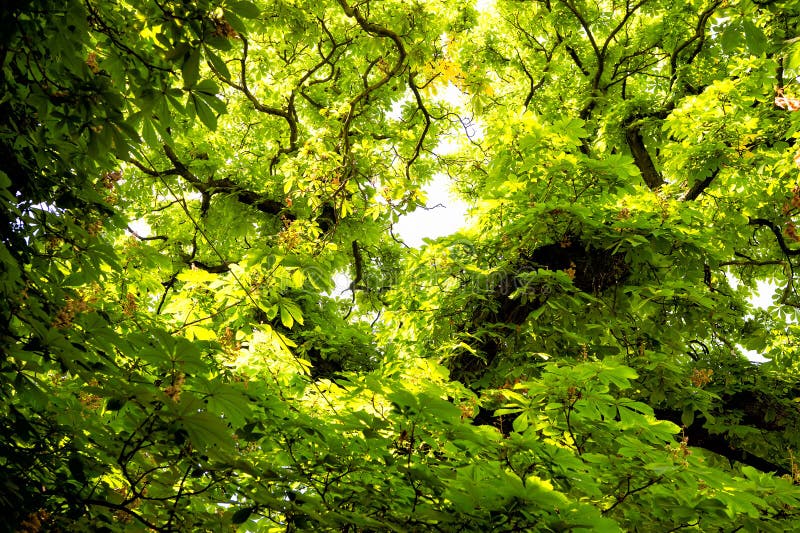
585 25
426 115
289 114
789 289
379 31
141 238
699 37
535 86
764 223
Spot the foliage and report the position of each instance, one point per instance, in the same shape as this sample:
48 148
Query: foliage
181 182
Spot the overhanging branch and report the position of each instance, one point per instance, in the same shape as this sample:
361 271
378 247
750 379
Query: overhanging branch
216 186
763 222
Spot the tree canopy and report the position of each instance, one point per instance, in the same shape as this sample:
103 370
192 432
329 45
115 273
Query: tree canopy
182 180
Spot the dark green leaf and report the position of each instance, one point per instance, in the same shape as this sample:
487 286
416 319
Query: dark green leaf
756 40
179 52
114 404
218 63
245 9
191 68
241 515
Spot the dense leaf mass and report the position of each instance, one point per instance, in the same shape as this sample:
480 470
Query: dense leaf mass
610 344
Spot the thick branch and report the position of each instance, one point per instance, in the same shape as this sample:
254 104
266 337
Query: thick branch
211 269
585 25
763 222
182 170
700 437
574 56
358 265
753 263
247 197
642 157
700 186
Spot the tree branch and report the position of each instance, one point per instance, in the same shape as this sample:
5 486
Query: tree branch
699 35
211 269
372 29
642 157
700 437
211 187
700 186
763 222
288 114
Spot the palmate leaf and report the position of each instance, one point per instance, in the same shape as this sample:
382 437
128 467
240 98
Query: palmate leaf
207 431
290 313
230 402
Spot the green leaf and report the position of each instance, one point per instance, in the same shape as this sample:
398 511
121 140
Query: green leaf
687 416
245 9
754 37
178 52
731 36
404 399
229 401
210 434
290 313
286 317
215 103
241 515
218 63
114 404
793 61
204 112
520 423
209 87
236 23
191 68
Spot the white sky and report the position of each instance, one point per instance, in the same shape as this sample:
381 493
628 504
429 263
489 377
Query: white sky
444 214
